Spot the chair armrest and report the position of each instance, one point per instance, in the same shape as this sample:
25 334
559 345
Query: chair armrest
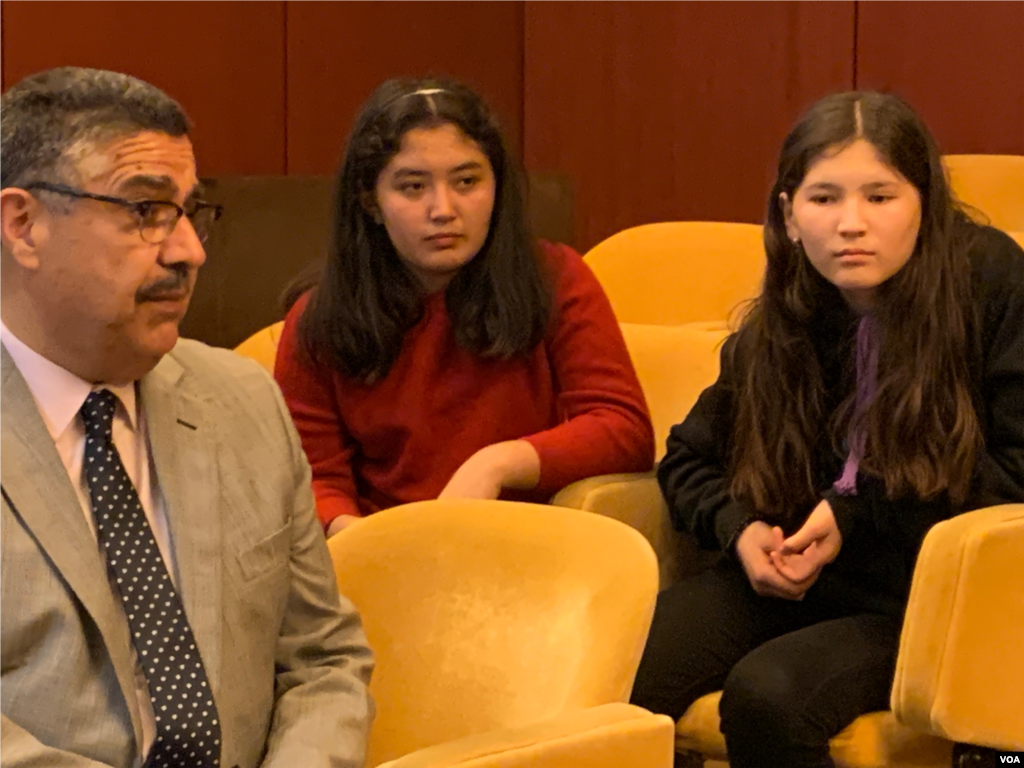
960 671
609 736
636 500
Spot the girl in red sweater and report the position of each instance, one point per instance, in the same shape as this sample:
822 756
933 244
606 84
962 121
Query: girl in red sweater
443 352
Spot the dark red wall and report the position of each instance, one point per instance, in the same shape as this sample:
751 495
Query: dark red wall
668 111
339 52
655 111
961 64
224 61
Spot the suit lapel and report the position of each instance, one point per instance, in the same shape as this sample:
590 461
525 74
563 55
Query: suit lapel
39 490
182 442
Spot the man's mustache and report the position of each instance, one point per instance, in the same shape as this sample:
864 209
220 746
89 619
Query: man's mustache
179 280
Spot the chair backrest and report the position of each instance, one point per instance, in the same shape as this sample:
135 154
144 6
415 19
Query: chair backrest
490 614
993 184
957 675
679 271
262 346
674 364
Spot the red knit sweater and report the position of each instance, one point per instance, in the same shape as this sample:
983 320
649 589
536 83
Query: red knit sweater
575 398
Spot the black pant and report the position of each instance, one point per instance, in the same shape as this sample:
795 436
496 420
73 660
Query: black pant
792 673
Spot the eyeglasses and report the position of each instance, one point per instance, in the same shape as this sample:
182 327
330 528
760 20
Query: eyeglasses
156 218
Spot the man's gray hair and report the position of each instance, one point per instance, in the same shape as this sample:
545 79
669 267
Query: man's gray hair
49 116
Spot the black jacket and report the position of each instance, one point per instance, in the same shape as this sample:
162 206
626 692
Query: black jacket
881 537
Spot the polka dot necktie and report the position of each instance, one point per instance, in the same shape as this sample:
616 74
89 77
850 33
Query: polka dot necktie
187 727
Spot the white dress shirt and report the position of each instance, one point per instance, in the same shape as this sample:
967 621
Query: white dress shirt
59 395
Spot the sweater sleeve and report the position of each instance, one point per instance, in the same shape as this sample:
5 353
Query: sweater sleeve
605 425
693 475
309 393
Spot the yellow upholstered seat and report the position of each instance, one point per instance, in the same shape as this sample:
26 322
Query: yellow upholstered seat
992 184
262 346
960 672
674 365
679 271
506 634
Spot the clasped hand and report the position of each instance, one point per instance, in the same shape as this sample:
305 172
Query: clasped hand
786 568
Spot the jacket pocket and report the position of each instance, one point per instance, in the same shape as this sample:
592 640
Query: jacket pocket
267 555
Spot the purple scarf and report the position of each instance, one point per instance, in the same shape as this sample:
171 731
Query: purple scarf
867 370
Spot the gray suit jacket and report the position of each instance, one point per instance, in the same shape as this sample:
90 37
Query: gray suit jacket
287 661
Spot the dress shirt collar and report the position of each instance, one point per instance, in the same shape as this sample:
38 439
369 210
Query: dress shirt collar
59 394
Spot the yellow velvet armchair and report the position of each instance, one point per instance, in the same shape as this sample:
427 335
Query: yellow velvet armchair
506 634
992 184
678 272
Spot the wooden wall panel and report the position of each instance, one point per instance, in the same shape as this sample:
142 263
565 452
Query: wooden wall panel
960 64
668 111
339 52
224 61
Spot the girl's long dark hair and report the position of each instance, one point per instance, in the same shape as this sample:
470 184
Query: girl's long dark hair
921 428
365 300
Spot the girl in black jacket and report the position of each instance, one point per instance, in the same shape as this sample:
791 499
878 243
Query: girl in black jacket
874 388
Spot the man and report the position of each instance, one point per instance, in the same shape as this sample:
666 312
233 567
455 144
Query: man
168 599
